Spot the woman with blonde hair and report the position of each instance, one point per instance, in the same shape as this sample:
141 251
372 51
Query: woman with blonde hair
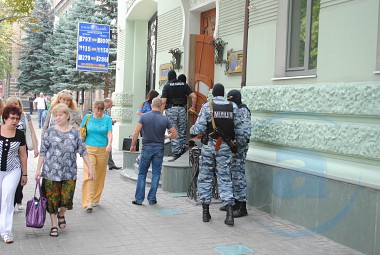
58 168
66 97
24 123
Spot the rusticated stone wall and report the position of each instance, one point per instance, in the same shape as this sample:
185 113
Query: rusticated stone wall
335 118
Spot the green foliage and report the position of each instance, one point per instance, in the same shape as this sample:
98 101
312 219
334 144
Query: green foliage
5 50
35 60
15 10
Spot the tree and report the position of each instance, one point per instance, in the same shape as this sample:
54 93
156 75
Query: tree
5 50
15 10
64 45
108 13
35 60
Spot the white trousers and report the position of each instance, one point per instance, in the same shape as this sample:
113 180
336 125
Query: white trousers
8 185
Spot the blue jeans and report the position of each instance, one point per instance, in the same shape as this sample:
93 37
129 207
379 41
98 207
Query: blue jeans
154 155
41 117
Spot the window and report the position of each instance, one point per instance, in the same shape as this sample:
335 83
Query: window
302 41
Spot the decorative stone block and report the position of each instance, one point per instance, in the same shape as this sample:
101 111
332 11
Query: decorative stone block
122 99
122 114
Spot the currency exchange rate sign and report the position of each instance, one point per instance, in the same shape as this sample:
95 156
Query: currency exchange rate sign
93 47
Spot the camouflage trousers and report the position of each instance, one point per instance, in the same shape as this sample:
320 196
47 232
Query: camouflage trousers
239 182
219 161
177 116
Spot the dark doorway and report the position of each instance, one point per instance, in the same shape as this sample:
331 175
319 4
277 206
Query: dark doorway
151 56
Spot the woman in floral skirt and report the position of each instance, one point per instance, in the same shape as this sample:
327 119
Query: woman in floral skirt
58 168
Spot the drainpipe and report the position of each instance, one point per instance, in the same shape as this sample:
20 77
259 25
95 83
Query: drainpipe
245 44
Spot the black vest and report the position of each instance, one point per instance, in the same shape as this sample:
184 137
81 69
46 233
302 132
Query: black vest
177 93
224 119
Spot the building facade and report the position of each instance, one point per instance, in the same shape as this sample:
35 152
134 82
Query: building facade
310 74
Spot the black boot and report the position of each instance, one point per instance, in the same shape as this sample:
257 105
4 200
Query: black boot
241 210
229 216
206 213
236 206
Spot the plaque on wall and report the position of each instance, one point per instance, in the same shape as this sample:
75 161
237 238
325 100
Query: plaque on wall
234 61
164 69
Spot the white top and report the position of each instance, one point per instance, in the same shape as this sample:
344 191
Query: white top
40 102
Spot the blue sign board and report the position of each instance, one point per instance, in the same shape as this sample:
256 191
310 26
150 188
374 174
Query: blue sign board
93 47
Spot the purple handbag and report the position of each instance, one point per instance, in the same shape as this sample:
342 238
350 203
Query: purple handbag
36 209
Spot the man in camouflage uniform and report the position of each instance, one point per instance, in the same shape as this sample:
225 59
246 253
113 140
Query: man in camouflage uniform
216 153
174 101
239 182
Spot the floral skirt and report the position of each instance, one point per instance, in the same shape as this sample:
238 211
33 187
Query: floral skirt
58 194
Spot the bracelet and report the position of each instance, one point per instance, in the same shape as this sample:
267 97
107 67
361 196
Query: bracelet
24 175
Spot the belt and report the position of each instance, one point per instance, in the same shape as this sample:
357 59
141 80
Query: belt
174 105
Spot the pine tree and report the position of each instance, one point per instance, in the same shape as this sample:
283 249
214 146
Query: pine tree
65 75
35 61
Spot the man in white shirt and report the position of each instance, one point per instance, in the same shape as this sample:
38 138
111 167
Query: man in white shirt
40 106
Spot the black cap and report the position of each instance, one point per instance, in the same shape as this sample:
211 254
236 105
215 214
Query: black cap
234 96
218 90
172 75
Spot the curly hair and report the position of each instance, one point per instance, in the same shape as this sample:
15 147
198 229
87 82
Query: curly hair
11 109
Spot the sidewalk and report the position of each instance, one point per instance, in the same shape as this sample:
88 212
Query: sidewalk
172 226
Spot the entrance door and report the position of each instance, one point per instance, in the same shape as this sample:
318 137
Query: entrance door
204 69
204 59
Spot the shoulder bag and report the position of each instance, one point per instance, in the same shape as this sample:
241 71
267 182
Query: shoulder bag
28 135
36 209
83 130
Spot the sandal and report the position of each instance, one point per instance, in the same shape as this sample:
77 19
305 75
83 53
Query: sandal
54 232
61 223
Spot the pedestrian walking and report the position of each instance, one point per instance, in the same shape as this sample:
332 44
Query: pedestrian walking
31 100
13 162
58 168
99 145
24 123
40 106
218 119
65 97
239 182
108 103
174 101
153 124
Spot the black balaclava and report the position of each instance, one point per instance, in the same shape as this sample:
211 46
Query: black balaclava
182 78
172 75
218 90
234 96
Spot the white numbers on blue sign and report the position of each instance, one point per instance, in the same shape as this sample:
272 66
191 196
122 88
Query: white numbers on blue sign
84 57
84 48
84 39
102 50
102 40
101 59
